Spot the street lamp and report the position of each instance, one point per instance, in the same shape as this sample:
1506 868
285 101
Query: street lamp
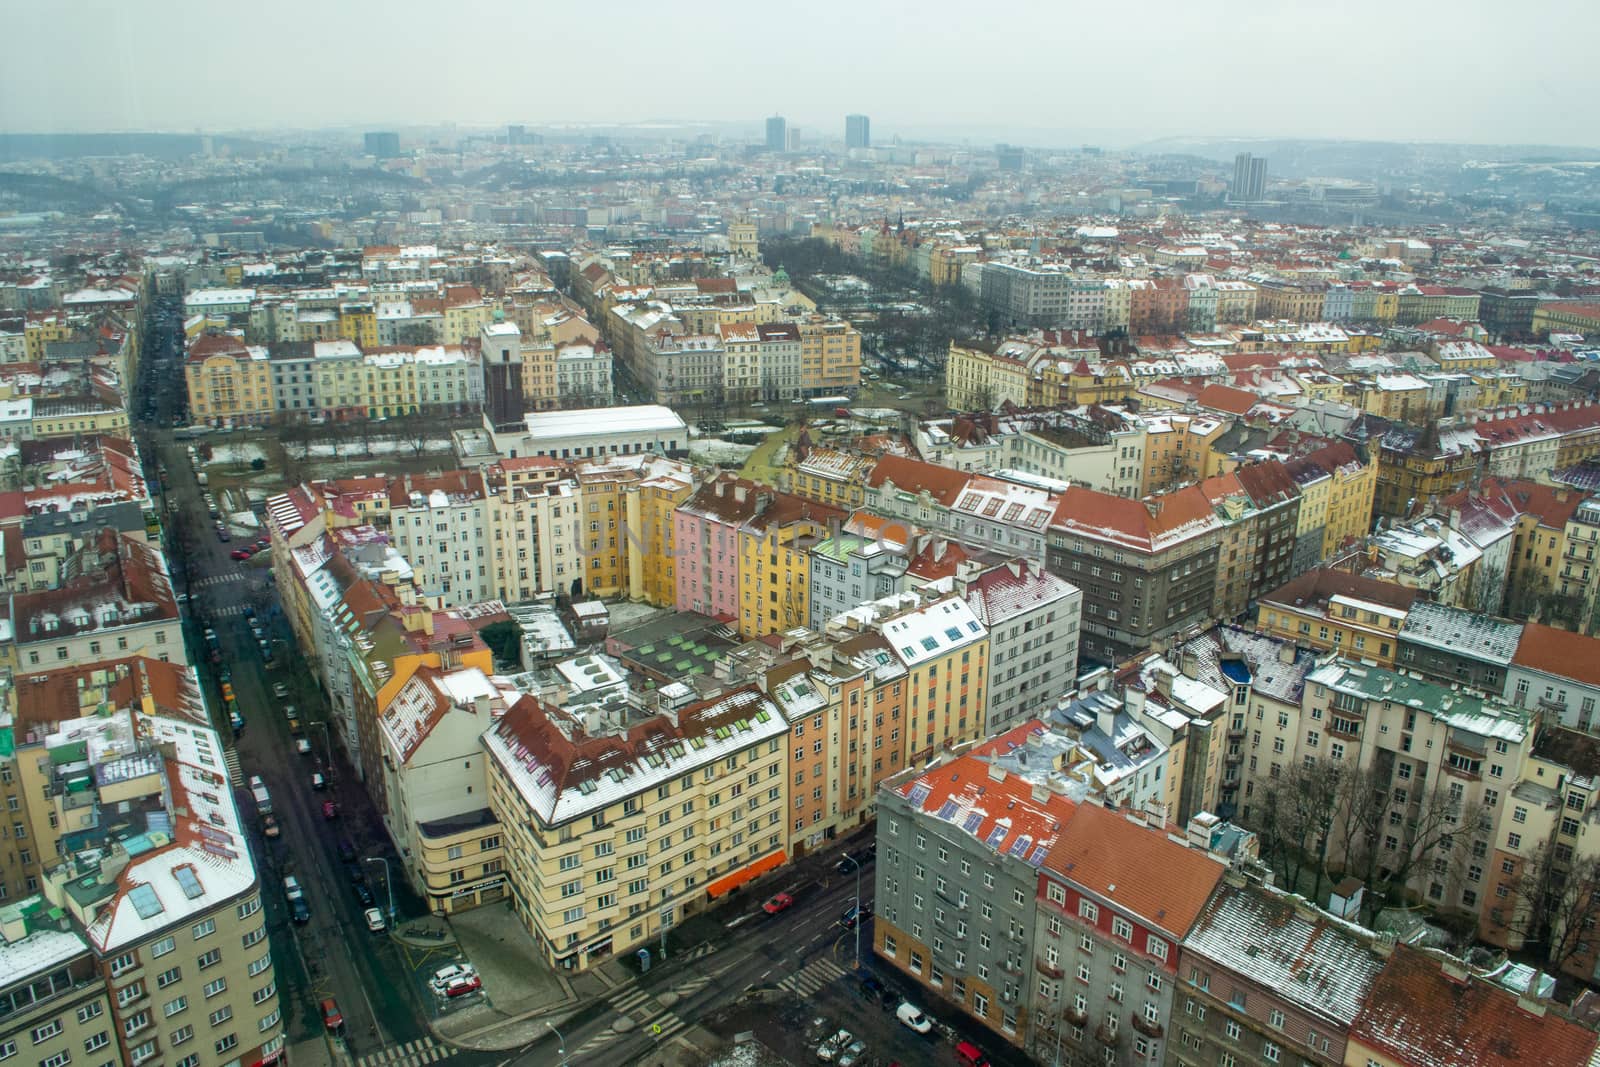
561 1043
388 885
859 906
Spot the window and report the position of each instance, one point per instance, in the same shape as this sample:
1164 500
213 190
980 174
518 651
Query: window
210 959
1088 910
1276 1019
226 1043
1122 928
97 1042
122 963
91 1011
174 1006
215 986
167 977
182 1034
221 1015
162 947
205 929
41 1034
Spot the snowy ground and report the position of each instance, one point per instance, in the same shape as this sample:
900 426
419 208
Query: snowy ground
876 414
352 448
716 450
240 455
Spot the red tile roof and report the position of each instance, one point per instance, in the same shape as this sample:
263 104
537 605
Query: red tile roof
913 475
1419 1016
1114 857
1007 809
1559 652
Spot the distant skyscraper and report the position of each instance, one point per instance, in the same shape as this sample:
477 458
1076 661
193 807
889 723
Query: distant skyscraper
857 131
777 134
383 145
794 138
1009 157
1249 179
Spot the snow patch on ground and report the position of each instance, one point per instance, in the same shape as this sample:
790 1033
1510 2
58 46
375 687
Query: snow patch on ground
352 448
239 455
716 450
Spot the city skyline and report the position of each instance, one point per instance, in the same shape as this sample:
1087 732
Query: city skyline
111 69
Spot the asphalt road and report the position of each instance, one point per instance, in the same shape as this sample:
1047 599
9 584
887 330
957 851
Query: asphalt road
333 954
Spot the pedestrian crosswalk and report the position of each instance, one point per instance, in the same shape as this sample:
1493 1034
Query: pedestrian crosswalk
235 772
629 1000
812 977
216 579
644 1015
411 1054
228 611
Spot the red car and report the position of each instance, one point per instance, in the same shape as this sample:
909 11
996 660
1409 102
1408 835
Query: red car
329 809
332 1017
778 902
462 985
239 553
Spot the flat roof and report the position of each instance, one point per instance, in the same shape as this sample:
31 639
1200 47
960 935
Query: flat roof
604 422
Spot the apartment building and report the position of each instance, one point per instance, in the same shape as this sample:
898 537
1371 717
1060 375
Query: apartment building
615 830
118 601
162 885
1425 1008
1268 978
1106 944
957 873
1147 568
1336 611
848 568
440 525
438 815
1336 491
1032 617
229 382
53 991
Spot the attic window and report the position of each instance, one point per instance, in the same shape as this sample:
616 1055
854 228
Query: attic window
930 643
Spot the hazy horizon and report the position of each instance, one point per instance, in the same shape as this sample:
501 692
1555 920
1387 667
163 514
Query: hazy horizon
1116 76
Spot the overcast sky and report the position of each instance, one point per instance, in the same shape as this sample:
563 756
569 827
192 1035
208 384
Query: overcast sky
1438 70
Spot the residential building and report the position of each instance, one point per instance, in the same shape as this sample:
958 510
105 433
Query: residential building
1336 611
1425 1009
613 833
118 601
1147 568
161 883
1106 944
438 814
1032 617
1458 646
229 383
957 873
1554 672
1269 978
54 989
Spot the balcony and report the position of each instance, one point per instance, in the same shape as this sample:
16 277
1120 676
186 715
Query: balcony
1145 1026
1107 1034
1075 1015
1047 969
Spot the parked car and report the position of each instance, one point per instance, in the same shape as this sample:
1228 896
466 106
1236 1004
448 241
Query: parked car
356 875
852 1055
280 690
871 987
347 852
969 1055
269 826
830 1049
364 895
318 782
330 810
450 971
332 1017
778 902
239 554
302 746
460 987
913 1017
375 921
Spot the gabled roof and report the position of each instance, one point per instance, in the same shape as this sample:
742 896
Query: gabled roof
1149 525
1559 652
1115 859
1001 810
1303 954
1421 1016
914 476
1312 590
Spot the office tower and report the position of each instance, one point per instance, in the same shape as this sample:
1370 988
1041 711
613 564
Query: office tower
777 134
857 131
794 138
1009 157
1249 179
383 145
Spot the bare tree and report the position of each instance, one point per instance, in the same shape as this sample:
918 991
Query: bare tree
1556 905
1299 807
1394 834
